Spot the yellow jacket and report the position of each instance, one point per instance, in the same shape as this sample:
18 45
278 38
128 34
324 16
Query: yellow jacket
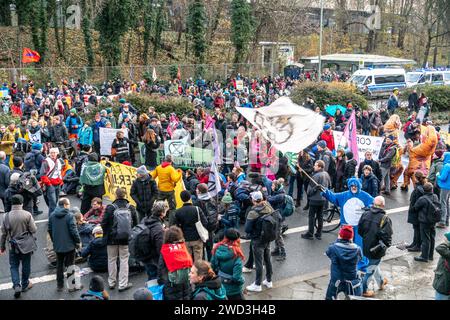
7 142
167 176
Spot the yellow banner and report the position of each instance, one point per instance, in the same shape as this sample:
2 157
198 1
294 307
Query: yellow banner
445 136
122 176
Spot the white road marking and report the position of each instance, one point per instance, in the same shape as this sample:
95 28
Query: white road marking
52 277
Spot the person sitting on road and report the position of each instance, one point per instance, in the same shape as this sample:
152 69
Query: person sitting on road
95 214
96 290
95 252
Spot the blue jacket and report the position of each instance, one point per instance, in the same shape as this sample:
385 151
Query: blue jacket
63 230
85 232
276 199
97 254
85 136
96 129
74 124
230 218
344 256
443 179
5 173
33 160
370 184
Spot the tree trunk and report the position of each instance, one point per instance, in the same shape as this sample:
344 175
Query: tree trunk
427 49
215 24
56 30
401 37
127 60
370 41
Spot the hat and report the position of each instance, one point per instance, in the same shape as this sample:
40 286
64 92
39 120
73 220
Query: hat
122 100
326 127
232 234
227 198
108 110
322 144
346 232
97 229
142 294
142 170
36 146
14 177
103 112
97 284
73 110
185 196
447 235
257 196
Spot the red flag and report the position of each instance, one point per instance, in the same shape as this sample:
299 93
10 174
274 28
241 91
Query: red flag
179 73
29 55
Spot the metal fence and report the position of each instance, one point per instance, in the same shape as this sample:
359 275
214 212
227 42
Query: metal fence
97 75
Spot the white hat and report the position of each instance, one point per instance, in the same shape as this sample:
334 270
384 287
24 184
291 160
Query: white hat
257 196
97 229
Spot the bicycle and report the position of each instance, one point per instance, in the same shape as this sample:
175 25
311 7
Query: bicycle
330 216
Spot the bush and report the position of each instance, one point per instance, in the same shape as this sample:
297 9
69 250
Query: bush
328 93
438 96
6 118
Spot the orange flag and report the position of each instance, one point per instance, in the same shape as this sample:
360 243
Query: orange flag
29 55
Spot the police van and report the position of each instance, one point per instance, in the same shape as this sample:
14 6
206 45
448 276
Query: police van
430 77
376 82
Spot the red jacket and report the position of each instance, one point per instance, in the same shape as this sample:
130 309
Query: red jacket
327 136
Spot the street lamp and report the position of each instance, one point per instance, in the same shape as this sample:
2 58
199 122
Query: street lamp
320 40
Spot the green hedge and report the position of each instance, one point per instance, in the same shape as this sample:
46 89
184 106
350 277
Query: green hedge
7 118
438 96
328 93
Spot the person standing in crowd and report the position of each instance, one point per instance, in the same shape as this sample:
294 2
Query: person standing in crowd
327 136
74 123
152 143
425 207
413 102
369 182
186 217
350 167
260 247
305 163
99 122
443 181
174 266
207 285
344 256
15 224
15 187
96 251
85 135
154 223
168 177
65 237
6 142
368 161
119 148
340 170
316 200
393 104
227 260
92 180
441 282
143 192
375 228
277 200
117 222
387 153
51 179
413 216
5 174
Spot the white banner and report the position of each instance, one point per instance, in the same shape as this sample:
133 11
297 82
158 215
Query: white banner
365 143
35 137
107 136
176 148
289 127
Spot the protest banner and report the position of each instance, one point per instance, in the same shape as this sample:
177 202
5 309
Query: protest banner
4 93
107 136
35 137
123 177
239 85
184 156
365 143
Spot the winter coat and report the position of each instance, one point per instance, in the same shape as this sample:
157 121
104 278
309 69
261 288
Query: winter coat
253 224
5 174
413 215
277 199
97 254
151 152
167 175
108 221
443 179
375 168
186 217
73 124
20 221
156 228
350 169
33 160
371 232
387 152
327 136
96 129
441 282
122 150
224 261
365 123
423 207
182 291
7 140
211 289
370 184
344 256
313 192
375 122
85 136
58 133
85 232
63 230
436 167
340 170
143 192
191 184
306 165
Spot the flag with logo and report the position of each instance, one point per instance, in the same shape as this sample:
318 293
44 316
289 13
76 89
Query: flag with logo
289 127
29 56
209 125
214 185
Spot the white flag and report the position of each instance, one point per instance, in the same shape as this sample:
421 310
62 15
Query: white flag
214 185
289 127
154 75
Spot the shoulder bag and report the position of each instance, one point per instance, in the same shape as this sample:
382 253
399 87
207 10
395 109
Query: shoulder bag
202 232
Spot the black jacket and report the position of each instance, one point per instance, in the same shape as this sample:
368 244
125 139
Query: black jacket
191 183
157 238
143 192
349 170
58 133
97 255
375 168
370 184
186 217
413 215
151 153
63 230
5 173
423 207
370 231
387 152
108 221
172 291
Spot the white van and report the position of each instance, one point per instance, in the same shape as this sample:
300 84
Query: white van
434 77
379 82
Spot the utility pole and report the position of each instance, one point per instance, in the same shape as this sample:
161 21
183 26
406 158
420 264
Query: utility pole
320 40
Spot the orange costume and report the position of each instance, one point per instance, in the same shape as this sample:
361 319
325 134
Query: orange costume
392 127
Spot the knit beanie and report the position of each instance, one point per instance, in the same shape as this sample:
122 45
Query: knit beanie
142 170
227 198
322 144
97 284
36 146
346 232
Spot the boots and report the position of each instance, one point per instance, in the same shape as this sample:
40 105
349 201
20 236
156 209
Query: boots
297 203
282 255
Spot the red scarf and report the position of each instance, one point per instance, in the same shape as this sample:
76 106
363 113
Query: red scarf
176 256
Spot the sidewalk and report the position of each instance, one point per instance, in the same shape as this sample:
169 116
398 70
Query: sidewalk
407 280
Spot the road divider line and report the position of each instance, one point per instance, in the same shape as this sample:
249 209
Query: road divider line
47 278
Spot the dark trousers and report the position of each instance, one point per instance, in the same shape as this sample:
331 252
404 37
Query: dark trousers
250 261
236 297
315 212
261 250
63 259
427 233
417 240
15 259
151 270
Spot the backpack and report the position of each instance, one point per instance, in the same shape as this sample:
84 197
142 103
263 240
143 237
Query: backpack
270 225
179 276
28 182
80 160
434 213
122 222
211 216
30 161
396 158
140 246
332 166
289 206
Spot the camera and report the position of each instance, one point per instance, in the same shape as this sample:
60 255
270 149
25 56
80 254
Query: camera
380 247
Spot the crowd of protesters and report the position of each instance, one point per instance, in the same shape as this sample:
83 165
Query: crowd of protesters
53 152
